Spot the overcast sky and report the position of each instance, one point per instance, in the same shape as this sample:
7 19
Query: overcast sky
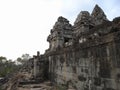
25 24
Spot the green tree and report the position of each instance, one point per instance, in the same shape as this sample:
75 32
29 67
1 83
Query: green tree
7 66
23 59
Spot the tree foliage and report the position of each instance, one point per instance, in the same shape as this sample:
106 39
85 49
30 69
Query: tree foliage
23 59
7 66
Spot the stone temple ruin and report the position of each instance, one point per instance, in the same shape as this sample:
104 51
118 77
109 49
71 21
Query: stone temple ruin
83 56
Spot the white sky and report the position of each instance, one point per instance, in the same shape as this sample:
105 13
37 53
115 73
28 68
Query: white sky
25 24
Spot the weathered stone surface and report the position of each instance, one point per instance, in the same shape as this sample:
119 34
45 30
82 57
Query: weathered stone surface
92 62
85 56
82 17
82 23
98 15
60 34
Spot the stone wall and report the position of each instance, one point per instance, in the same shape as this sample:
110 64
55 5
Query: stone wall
89 59
94 66
90 65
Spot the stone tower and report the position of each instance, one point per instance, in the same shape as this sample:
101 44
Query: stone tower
82 23
85 21
60 34
98 16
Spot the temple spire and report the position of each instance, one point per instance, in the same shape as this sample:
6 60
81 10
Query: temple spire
98 15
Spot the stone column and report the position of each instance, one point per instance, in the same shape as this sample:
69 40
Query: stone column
35 66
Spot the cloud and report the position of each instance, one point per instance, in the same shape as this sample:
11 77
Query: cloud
71 8
25 24
112 8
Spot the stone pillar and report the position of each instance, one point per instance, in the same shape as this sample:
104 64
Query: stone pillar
36 67
38 53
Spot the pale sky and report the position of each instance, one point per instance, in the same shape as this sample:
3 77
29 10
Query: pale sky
25 24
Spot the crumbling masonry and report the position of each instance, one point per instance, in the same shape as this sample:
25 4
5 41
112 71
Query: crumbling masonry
85 56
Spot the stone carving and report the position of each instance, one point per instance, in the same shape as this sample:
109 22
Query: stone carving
60 34
98 15
82 24
83 17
